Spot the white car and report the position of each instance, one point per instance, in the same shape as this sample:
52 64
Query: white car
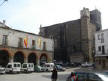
86 64
49 66
27 67
2 70
14 67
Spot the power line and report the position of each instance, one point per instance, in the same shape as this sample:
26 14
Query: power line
3 2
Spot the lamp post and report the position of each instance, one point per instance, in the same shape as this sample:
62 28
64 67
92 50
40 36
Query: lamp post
53 48
93 55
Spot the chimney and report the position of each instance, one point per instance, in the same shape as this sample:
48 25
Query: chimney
4 21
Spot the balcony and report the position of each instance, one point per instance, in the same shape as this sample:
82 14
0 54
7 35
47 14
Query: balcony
100 54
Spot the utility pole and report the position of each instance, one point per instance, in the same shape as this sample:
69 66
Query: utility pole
3 2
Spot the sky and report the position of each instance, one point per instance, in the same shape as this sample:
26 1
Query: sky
28 15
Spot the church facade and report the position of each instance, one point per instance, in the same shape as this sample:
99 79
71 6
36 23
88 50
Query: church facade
74 40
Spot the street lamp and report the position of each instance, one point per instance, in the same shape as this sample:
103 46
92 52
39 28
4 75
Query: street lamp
53 48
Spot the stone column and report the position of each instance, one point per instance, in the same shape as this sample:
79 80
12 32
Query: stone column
11 58
25 60
38 61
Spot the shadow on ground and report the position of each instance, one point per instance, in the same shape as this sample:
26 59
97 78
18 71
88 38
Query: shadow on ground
61 77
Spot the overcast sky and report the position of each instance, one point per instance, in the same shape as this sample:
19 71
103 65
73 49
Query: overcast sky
27 15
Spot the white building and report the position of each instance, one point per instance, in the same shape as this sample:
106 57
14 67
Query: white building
101 49
20 46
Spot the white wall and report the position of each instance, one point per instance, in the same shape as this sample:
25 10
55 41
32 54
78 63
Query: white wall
13 37
98 42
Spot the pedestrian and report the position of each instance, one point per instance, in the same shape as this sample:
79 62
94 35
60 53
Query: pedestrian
54 74
72 77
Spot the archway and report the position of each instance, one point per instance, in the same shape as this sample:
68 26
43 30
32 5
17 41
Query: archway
43 59
32 58
19 57
4 58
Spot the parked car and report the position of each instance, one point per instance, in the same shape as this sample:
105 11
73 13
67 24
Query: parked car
14 67
86 64
60 68
75 64
2 70
89 76
38 68
27 67
48 66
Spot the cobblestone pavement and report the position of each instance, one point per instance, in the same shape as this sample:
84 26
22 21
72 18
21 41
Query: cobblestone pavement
33 77
43 76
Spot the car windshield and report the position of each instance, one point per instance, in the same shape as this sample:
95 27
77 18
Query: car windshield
103 76
9 66
24 65
105 73
59 66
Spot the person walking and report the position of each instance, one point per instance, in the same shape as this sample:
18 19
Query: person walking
54 74
72 77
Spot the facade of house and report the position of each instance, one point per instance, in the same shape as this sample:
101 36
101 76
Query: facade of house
101 49
74 40
20 46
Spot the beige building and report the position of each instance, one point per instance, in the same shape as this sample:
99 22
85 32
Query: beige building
20 46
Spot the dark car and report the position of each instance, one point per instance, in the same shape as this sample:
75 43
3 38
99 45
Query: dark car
60 68
75 64
88 76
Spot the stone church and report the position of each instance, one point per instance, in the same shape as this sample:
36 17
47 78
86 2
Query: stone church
74 40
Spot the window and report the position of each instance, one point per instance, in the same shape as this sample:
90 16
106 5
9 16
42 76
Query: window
82 76
9 66
33 44
15 65
44 45
98 37
4 41
24 65
74 48
99 48
102 38
18 65
94 77
103 50
20 42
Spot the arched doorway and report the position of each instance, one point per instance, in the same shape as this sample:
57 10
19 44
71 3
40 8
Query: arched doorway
32 58
4 58
43 59
19 57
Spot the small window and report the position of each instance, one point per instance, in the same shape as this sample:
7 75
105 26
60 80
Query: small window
102 38
20 42
4 41
44 45
99 48
103 50
98 37
33 42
